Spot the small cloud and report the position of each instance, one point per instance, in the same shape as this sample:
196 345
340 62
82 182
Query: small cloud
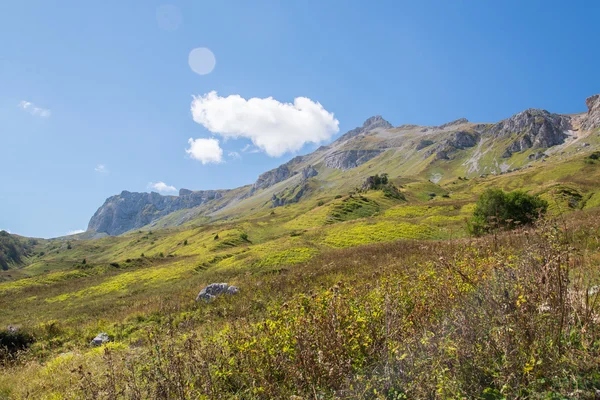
33 109
75 232
101 168
162 187
250 149
274 127
206 151
235 155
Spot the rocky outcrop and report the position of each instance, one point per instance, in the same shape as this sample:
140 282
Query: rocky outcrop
533 128
271 177
459 121
132 210
100 339
290 196
462 140
309 172
592 119
213 290
348 159
277 175
456 141
370 124
423 143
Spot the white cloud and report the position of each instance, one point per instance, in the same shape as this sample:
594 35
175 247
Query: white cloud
76 231
34 110
274 127
250 149
205 150
101 168
235 155
162 187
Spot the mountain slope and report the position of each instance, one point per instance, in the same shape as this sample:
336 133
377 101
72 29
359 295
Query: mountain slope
439 154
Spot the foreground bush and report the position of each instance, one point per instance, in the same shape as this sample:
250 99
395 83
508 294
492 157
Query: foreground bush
498 209
12 342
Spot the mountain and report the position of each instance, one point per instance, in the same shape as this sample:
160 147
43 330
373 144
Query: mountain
439 153
128 210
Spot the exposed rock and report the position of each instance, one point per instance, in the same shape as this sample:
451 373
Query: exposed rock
462 140
309 172
272 177
592 119
100 339
536 156
132 210
456 141
453 123
348 159
213 290
534 128
372 123
289 196
423 143
276 175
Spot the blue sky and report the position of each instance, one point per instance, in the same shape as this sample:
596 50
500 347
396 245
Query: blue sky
95 97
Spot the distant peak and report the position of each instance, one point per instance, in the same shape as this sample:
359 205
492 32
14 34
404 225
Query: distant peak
455 122
184 192
376 121
593 102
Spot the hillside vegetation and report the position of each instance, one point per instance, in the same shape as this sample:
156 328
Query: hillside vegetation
356 279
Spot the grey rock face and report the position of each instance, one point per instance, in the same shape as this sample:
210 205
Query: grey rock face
592 119
457 141
309 172
100 339
423 143
349 159
272 177
462 140
276 175
370 124
213 290
131 210
534 128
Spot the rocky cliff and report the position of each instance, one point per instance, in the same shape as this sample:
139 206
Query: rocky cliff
532 128
592 119
132 210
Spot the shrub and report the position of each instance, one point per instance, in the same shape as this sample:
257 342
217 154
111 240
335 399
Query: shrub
12 342
498 209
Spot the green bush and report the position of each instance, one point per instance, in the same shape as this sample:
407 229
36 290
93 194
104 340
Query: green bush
498 209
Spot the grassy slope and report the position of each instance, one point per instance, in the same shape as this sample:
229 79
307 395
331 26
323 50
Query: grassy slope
122 292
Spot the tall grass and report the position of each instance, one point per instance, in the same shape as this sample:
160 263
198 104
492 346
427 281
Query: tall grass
513 315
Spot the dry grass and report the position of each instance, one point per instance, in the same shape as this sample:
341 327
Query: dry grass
505 316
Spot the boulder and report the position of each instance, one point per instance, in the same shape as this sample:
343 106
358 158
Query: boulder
213 290
100 339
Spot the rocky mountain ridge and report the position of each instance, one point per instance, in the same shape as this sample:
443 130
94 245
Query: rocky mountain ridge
133 210
532 130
